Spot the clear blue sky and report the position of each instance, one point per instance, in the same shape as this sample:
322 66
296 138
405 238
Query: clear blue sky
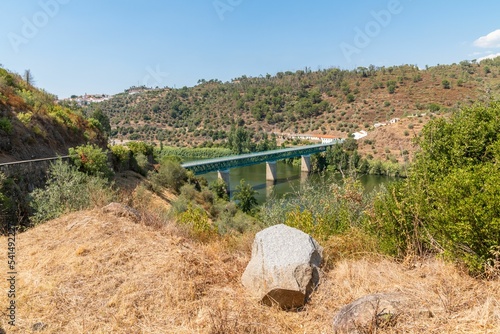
106 46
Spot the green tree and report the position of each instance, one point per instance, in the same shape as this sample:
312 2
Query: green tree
140 147
343 157
121 157
350 98
449 203
391 86
219 188
239 140
446 84
103 120
245 196
170 175
91 159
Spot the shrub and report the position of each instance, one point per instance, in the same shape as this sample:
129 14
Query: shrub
232 221
197 222
304 221
121 157
219 188
140 147
94 123
91 159
188 191
180 205
207 196
170 175
391 86
24 117
6 125
433 107
449 203
61 115
466 214
323 210
27 97
67 190
245 196
140 163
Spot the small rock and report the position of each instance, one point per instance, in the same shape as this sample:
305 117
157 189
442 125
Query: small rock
39 326
284 268
122 210
370 312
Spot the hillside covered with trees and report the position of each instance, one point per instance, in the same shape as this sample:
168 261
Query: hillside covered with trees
329 102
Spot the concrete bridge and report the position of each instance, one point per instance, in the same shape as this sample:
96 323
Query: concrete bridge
224 164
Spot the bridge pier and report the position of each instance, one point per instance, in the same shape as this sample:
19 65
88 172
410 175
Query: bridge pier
305 165
271 174
224 176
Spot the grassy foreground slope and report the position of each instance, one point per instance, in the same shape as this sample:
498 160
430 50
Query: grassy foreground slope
90 272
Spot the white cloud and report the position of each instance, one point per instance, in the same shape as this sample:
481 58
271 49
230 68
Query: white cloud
479 53
492 40
489 57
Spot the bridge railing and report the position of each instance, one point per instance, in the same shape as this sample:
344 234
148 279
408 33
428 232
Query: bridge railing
34 160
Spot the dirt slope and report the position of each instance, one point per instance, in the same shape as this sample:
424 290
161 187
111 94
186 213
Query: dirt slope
90 272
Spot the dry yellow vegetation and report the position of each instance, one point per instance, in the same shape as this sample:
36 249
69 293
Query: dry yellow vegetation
90 272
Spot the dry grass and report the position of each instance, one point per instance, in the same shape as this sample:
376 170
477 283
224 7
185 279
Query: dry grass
88 272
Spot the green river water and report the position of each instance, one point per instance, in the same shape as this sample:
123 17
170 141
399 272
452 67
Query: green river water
289 180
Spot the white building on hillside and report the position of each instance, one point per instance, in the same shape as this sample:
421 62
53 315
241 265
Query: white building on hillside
360 134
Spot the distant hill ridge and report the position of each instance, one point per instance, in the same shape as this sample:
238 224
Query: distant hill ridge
330 102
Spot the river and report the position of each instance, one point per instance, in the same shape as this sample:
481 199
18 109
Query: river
289 180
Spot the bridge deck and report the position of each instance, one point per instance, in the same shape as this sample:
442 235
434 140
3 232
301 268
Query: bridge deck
212 165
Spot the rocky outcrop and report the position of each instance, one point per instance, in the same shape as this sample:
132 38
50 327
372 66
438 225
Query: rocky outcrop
284 268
